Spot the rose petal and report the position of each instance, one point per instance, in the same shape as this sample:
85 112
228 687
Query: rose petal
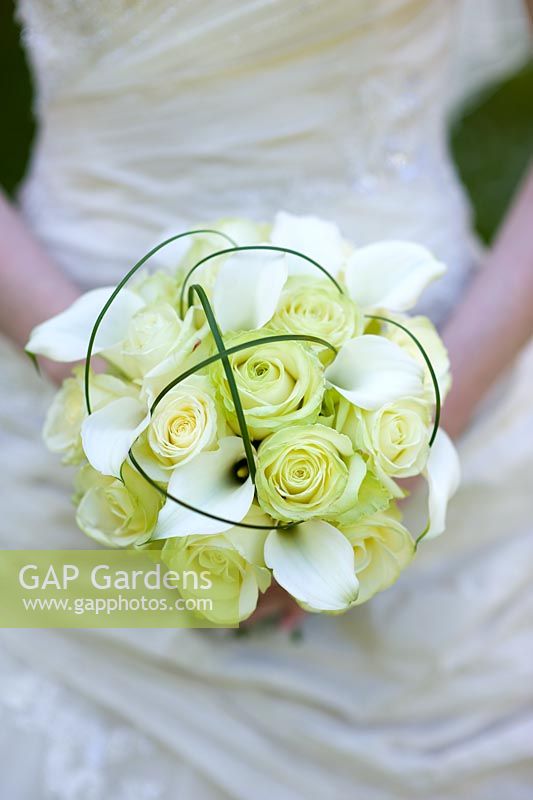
207 482
370 371
247 289
311 236
315 563
390 274
249 594
443 473
65 337
108 434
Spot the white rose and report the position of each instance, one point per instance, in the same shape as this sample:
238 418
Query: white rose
382 549
154 332
279 383
234 564
314 306
395 436
158 287
184 423
62 427
116 513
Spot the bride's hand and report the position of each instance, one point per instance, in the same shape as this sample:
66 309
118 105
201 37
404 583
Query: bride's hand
276 603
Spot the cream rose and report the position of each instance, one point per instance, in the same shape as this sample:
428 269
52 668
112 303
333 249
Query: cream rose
315 307
279 384
183 424
62 427
308 471
230 569
154 332
158 287
395 437
116 513
382 549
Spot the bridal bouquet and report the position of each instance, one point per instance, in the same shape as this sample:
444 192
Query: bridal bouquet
263 400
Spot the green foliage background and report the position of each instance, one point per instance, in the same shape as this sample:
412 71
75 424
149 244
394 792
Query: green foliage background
492 140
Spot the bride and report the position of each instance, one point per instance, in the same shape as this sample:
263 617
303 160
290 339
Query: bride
155 115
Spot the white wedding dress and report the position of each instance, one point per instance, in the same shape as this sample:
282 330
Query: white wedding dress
155 114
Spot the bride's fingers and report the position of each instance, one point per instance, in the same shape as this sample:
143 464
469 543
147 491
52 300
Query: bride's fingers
277 603
272 602
263 612
292 618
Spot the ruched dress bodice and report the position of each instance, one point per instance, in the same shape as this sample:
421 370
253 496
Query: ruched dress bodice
155 115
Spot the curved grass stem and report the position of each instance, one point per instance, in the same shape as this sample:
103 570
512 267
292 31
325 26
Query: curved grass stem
119 288
255 247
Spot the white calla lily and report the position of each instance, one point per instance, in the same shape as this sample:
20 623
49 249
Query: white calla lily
108 434
207 482
443 473
370 371
391 274
315 562
247 289
311 236
65 337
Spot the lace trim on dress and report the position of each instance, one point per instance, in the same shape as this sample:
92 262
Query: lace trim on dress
85 755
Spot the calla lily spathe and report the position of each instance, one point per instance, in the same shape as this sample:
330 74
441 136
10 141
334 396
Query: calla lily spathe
65 337
108 434
370 371
207 482
443 474
315 562
390 274
312 236
247 289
